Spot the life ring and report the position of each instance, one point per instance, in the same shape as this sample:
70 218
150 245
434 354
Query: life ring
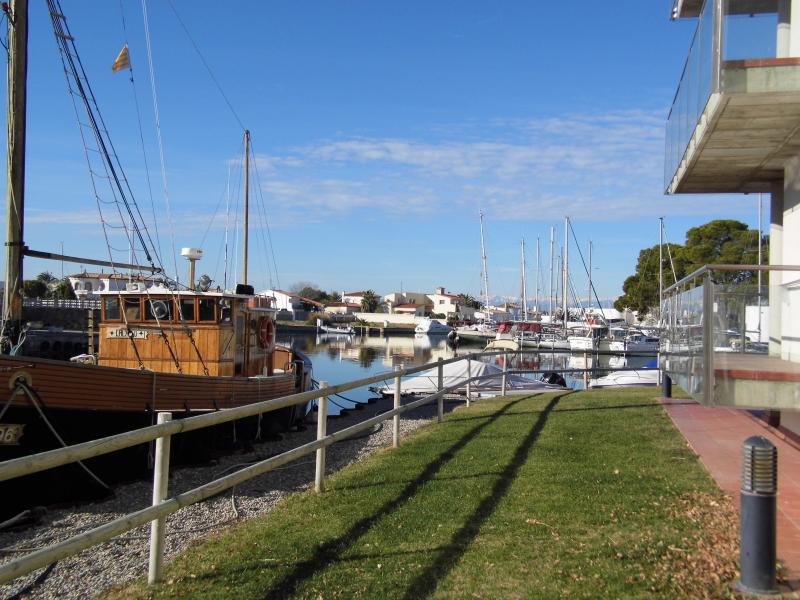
266 334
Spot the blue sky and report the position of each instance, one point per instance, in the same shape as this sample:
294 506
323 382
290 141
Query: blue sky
380 130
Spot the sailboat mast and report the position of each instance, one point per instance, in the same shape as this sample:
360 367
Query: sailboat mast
552 258
246 202
538 276
589 302
485 273
15 187
524 286
660 264
566 270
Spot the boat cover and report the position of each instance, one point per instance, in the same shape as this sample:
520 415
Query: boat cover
425 382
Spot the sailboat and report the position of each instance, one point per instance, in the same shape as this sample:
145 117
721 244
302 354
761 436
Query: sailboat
161 348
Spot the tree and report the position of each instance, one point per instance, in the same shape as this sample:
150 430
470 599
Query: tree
717 242
369 301
334 297
469 301
33 288
62 290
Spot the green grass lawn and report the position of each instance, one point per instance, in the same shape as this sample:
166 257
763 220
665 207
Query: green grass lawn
581 495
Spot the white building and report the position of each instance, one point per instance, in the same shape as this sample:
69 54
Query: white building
732 129
297 307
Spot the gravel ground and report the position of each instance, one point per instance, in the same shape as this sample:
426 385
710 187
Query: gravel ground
97 569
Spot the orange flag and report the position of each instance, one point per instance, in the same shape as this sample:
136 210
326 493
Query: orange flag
123 60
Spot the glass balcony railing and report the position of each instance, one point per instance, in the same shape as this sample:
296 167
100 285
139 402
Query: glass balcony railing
722 34
718 324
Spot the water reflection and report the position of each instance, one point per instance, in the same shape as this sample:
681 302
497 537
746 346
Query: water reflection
338 359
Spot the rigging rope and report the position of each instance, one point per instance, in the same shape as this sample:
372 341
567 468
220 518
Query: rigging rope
585 268
141 132
266 221
164 186
205 64
74 68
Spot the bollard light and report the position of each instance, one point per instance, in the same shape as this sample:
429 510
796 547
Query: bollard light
758 516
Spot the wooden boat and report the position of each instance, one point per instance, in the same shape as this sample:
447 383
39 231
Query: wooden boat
161 348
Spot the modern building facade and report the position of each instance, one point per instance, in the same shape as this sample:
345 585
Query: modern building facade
734 127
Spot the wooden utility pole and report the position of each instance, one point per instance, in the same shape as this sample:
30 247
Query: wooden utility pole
246 201
15 191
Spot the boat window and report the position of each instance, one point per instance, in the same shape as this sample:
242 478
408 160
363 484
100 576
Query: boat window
187 308
225 310
133 310
205 310
111 309
158 310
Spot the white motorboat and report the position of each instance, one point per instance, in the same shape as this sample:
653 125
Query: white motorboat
432 327
642 377
587 339
336 330
552 341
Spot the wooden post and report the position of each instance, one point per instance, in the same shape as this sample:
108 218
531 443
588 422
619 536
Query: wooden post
90 327
505 372
160 487
396 418
585 371
322 431
469 376
439 387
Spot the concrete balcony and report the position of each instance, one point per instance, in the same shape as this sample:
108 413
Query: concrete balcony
747 131
735 118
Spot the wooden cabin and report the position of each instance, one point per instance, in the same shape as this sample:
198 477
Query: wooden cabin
190 332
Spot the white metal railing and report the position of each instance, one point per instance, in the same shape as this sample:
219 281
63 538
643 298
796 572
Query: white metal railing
166 428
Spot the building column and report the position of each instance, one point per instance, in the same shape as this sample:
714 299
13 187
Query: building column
788 37
775 258
790 255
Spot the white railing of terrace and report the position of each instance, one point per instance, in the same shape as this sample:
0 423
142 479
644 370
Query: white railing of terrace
166 428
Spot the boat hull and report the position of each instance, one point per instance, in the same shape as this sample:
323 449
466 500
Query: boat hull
85 402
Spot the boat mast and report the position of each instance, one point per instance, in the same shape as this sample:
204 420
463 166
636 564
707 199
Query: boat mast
589 302
538 277
246 202
485 274
566 270
552 258
660 264
15 188
524 287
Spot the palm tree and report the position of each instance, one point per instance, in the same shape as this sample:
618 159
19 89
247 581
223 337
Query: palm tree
369 301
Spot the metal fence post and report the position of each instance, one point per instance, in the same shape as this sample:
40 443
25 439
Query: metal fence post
505 373
469 376
396 419
322 431
439 388
160 487
585 371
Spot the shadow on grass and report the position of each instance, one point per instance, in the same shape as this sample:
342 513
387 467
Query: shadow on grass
425 584
331 551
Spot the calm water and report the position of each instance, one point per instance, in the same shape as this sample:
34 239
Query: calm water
338 359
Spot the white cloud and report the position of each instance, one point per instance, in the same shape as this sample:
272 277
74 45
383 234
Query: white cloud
598 166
